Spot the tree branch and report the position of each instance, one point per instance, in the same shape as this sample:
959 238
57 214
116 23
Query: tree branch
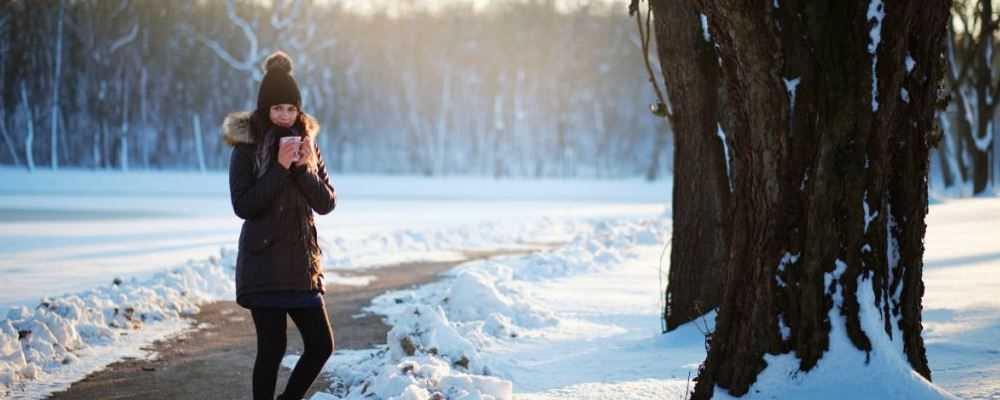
994 92
248 64
121 7
126 39
644 35
963 67
283 23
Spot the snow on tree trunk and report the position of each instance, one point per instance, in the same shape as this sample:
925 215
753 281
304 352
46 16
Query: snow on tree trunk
829 201
701 185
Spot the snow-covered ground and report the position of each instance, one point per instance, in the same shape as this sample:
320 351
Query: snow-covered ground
96 265
577 322
962 297
582 322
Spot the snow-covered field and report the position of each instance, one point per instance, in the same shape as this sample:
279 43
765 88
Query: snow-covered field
580 321
97 264
72 230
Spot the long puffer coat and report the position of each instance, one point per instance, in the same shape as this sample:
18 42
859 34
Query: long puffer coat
278 246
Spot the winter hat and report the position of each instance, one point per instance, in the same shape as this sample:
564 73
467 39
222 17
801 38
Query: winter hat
278 85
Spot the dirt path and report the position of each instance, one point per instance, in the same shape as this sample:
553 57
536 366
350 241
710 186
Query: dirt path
216 361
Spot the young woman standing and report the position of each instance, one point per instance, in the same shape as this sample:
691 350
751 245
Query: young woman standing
275 186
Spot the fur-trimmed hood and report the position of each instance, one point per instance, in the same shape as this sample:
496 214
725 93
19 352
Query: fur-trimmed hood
236 127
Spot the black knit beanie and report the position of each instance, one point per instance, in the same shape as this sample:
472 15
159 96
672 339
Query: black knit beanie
278 85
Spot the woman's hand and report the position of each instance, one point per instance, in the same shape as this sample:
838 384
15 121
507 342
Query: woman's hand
288 153
306 152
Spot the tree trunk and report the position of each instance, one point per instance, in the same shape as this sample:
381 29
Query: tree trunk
944 152
830 168
29 137
701 184
198 146
56 78
985 104
123 132
6 137
972 86
653 171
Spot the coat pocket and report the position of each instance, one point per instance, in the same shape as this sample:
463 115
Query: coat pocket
256 238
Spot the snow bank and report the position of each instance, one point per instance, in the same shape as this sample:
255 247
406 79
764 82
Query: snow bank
45 348
843 365
440 331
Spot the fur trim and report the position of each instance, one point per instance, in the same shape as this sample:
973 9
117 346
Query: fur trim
236 127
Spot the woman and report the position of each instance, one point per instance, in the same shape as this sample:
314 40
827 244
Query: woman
275 185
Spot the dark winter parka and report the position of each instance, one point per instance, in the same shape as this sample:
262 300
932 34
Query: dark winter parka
278 247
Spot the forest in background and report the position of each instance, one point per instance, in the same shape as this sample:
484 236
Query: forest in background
513 89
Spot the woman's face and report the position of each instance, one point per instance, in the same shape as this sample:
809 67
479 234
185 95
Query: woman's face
284 114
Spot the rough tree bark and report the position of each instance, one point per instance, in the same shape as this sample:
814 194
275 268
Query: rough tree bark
701 182
830 168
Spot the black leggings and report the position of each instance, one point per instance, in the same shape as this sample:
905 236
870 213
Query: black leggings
316 337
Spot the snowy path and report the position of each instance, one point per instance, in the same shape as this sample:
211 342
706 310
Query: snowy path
215 360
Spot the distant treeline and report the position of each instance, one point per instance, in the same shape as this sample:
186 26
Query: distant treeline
517 89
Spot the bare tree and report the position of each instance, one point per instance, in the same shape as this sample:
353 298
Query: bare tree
830 164
251 58
974 88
